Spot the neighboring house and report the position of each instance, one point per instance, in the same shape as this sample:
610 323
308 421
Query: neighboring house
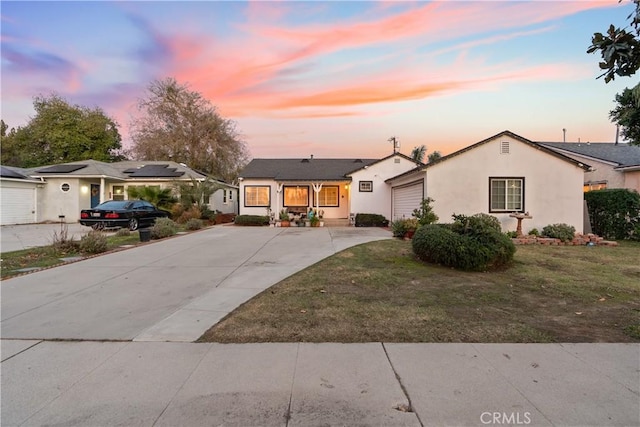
500 175
339 187
612 165
61 191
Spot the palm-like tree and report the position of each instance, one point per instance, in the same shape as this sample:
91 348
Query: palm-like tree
418 153
161 197
434 156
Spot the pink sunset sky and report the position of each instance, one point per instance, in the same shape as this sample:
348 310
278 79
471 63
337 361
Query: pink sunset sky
333 79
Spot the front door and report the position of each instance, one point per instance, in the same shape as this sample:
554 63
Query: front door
95 195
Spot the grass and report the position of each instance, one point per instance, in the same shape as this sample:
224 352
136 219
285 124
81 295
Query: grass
48 256
380 292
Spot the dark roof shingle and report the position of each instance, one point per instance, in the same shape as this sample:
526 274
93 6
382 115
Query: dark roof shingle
622 154
303 169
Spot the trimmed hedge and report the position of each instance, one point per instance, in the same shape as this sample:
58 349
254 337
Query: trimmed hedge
614 213
252 220
564 232
371 220
473 245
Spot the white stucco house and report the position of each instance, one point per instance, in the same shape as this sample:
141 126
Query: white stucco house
339 187
59 192
612 165
501 175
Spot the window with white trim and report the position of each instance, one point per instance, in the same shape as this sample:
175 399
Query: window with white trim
506 194
257 195
366 186
328 196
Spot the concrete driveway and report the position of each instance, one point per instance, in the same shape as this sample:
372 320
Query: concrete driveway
170 290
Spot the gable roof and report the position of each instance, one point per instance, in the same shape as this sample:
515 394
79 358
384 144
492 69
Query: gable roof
303 169
15 173
621 155
491 138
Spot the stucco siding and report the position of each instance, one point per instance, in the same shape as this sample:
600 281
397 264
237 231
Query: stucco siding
379 200
632 180
552 186
56 202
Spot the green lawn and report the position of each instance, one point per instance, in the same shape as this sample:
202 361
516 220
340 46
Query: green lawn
380 292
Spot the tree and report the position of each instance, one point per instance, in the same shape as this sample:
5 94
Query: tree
196 192
178 124
161 197
627 116
60 132
418 153
619 48
434 156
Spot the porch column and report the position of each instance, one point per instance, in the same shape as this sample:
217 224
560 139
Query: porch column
316 188
278 191
102 189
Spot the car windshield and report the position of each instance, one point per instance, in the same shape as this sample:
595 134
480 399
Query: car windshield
114 204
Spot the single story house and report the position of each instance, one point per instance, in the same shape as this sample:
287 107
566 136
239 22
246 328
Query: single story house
61 191
501 175
338 187
612 165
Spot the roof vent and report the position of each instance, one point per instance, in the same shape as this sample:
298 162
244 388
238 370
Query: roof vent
504 147
305 160
357 161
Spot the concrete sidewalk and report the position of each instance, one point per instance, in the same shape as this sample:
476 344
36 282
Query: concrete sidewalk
185 384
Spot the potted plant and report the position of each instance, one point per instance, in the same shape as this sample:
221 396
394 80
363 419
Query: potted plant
315 221
410 226
321 216
284 218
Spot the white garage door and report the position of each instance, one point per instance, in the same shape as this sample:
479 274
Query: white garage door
18 205
406 198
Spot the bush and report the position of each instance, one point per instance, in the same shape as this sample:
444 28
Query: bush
371 220
398 228
252 220
475 251
207 214
164 227
192 213
511 234
563 232
194 224
94 242
61 241
424 214
479 223
123 232
534 232
614 213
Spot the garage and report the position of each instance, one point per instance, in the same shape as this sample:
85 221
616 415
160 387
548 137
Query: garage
406 198
18 197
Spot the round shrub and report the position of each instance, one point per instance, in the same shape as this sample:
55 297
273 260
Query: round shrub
563 232
164 227
480 252
476 224
435 244
94 242
194 224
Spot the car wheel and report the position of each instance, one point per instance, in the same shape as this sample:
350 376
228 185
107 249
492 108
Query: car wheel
98 226
133 224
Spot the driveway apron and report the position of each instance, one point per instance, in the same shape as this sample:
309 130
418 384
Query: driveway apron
169 290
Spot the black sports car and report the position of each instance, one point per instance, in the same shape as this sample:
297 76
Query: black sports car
132 214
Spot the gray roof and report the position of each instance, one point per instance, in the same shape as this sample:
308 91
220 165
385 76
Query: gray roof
303 169
124 170
10 172
623 155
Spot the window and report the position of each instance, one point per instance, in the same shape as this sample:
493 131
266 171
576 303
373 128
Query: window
296 196
506 194
257 195
591 186
224 196
118 192
328 196
366 186
230 195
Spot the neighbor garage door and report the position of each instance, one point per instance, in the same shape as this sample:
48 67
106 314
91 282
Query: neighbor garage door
18 205
406 198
